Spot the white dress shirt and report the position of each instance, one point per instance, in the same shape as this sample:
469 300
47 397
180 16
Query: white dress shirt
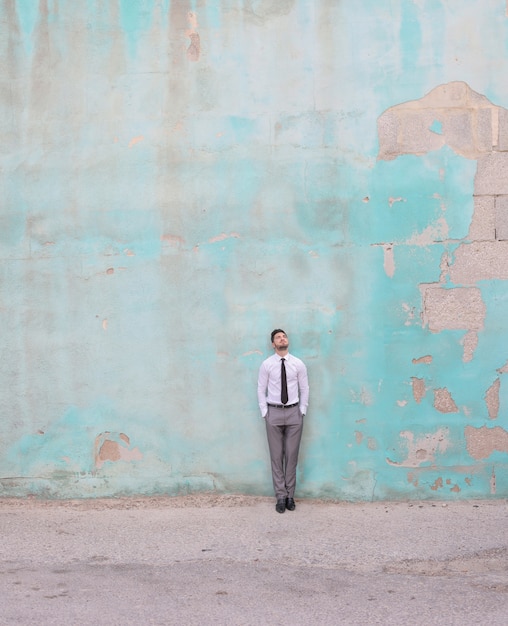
269 385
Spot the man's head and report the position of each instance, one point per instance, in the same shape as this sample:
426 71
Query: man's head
279 340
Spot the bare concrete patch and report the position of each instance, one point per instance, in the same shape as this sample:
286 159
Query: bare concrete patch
482 442
444 402
418 385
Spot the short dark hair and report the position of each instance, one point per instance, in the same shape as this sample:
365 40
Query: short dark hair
274 332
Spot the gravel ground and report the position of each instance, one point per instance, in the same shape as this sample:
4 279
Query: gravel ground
209 559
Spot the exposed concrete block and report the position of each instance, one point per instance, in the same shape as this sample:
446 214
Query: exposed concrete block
388 130
483 125
415 134
483 223
458 130
469 123
501 218
492 174
461 308
502 142
481 260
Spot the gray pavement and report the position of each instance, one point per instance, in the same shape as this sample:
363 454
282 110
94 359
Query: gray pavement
209 559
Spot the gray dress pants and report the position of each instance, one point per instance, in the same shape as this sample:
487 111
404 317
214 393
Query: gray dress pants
284 431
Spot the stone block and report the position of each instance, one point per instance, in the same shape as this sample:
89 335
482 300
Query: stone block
482 226
415 134
483 134
388 131
502 141
492 175
480 260
458 131
501 218
461 308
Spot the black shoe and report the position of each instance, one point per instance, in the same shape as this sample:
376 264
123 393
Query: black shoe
280 507
290 504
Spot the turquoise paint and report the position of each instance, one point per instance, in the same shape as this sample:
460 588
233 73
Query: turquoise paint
413 54
396 204
161 216
27 14
136 17
437 127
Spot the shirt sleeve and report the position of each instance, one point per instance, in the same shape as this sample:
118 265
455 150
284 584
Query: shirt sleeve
262 386
303 385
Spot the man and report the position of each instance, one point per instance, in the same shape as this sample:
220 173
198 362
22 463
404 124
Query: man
283 395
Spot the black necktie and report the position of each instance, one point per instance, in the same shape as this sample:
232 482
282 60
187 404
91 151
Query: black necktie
283 383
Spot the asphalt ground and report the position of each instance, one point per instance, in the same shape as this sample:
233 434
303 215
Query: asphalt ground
209 559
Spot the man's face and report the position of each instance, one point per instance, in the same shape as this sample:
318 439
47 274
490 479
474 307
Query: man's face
280 341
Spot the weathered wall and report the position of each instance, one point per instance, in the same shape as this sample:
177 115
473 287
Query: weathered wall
180 177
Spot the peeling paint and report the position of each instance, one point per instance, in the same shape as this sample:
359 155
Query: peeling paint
419 389
372 443
438 484
423 449
443 401
114 447
411 312
389 261
492 399
482 442
460 308
470 343
363 397
392 201
427 359
438 231
412 479
238 174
